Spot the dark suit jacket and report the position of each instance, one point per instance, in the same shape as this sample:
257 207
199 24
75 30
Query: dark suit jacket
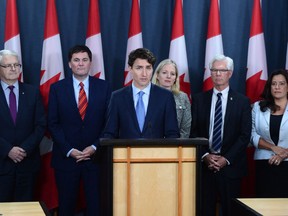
65 124
237 128
28 131
160 120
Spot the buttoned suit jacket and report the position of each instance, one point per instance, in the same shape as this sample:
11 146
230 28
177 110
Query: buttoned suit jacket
26 133
237 129
65 124
160 120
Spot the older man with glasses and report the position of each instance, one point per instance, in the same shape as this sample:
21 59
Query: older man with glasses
22 126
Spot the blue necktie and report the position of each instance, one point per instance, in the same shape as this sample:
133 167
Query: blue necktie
140 110
217 140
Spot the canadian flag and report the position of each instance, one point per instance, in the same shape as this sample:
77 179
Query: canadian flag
256 63
134 38
51 71
214 45
178 48
94 42
287 58
12 35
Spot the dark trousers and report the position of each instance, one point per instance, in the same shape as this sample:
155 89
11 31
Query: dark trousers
68 185
271 180
17 186
216 187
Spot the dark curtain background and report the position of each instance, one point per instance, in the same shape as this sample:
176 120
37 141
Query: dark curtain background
156 18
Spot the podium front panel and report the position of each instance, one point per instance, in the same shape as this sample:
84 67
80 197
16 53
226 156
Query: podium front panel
154 181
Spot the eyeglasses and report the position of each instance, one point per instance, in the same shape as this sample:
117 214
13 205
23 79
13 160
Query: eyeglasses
11 66
279 84
214 70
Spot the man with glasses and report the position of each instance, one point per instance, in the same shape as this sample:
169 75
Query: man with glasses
224 117
22 126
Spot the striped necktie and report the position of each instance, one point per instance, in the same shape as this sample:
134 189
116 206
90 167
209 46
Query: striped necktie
217 130
82 101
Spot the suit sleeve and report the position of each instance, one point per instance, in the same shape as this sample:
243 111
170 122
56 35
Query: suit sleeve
194 110
33 140
112 123
254 135
54 122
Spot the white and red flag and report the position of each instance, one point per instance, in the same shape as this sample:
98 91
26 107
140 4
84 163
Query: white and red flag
51 71
256 62
178 48
12 33
214 44
134 38
94 42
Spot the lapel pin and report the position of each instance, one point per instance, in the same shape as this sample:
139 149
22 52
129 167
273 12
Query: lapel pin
231 98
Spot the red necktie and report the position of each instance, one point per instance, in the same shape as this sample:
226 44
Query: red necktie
82 101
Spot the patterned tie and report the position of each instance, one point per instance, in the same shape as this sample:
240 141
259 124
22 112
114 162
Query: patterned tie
140 111
82 101
217 140
12 103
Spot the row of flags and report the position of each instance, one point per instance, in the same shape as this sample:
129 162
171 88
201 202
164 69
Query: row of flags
52 65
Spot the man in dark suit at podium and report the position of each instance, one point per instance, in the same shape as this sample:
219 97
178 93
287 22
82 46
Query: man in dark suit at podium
142 110
224 117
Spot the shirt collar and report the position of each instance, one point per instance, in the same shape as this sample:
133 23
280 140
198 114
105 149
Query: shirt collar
146 90
77 82
5 85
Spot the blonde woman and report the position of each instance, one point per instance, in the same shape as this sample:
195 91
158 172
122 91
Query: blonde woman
166 75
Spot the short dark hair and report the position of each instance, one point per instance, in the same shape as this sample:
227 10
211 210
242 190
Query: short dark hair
268 100
141 53
78 49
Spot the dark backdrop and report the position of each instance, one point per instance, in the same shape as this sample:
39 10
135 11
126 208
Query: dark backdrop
156 18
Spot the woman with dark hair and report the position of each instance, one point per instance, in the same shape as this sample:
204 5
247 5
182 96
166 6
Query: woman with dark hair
270 137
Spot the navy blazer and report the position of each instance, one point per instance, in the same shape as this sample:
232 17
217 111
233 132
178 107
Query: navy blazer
65 124
160 120
237 128
26 133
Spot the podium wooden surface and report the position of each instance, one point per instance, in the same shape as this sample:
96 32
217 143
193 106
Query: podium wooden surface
21 209
156 176
263 206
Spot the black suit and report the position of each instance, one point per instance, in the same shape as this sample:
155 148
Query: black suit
27 134
236 136
160 120
69 131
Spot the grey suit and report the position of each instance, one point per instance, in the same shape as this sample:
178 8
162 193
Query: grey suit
183 109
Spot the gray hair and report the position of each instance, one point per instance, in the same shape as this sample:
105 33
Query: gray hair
7 53
228 60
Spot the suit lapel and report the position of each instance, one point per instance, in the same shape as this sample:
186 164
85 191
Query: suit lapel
69 95
207 110
285 117
151 103
21 102
130 104
230 106
4 106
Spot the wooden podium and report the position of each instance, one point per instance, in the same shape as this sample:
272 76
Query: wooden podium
156 176
23 209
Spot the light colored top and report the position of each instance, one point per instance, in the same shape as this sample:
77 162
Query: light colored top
183 109
261 128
